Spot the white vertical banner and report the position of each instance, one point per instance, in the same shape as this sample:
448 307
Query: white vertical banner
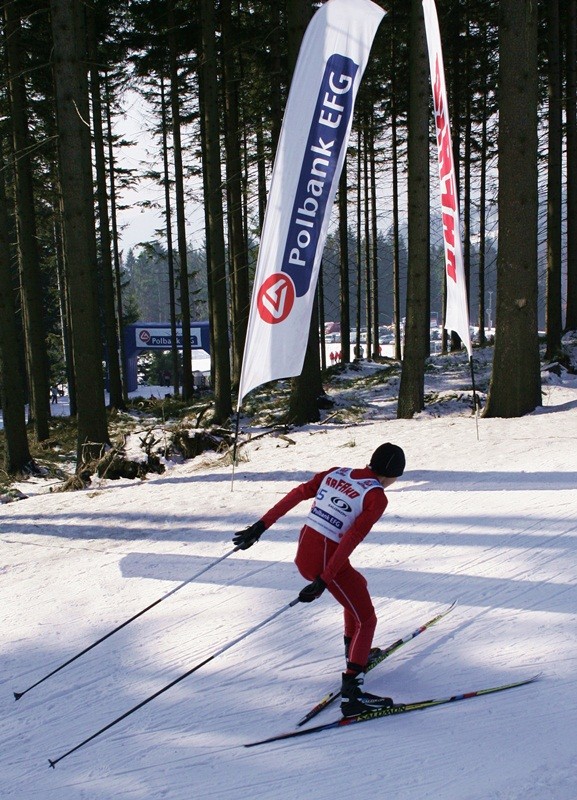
310 155
457 312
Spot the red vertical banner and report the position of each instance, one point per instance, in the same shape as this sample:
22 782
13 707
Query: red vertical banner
457 312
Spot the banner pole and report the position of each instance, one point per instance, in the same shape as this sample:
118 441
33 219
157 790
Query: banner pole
476 402
234 446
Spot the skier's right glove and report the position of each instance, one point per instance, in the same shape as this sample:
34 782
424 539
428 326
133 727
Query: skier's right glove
312 590
246 538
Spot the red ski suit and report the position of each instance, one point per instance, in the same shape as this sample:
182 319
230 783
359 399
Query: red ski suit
318 554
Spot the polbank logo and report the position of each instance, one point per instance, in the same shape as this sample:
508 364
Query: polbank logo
276 298
326 138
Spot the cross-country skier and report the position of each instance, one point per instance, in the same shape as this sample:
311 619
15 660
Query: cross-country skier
347 504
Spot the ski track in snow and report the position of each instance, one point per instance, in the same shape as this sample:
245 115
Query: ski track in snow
486 514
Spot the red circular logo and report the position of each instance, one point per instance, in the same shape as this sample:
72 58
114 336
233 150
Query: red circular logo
276 298
144 336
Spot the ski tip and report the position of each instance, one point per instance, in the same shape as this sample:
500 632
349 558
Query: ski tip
532 678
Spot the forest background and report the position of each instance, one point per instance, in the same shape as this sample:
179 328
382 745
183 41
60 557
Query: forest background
213 78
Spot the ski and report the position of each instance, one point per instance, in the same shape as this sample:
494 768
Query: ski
400 708
384 653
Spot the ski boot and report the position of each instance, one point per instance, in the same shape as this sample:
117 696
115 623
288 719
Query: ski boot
354 701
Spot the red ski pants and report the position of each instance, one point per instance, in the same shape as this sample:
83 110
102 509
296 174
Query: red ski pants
349 588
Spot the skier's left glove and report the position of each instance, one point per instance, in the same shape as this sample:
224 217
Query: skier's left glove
312 591
246 538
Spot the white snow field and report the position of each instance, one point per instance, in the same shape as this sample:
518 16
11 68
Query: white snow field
486 514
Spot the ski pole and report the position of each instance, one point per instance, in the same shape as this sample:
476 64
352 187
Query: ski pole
225 647
18 695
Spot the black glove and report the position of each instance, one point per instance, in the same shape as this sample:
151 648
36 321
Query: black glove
312 591
246 538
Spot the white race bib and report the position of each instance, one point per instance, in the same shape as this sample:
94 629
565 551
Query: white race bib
338 503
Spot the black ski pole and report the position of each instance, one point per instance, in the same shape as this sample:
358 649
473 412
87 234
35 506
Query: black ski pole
54 761
18 695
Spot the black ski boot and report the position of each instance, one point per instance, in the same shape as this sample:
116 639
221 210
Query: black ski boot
355 701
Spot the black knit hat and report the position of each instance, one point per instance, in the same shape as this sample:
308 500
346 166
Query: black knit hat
388 460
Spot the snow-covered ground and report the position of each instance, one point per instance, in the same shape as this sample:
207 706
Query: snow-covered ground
486 514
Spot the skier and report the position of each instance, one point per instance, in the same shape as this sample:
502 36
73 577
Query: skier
347 504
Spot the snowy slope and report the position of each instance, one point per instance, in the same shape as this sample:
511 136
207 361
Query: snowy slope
485 514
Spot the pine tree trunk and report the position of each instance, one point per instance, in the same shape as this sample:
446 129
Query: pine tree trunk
321 322
214 217
169 247
482 202
396 215
571 111
344 285
106 271
64 315
276 82
554 181
467 166
374 242
412 388
515 382
367 241
358 351
28 256
114 229
69 58
238 253
261 174
187 379
308 387
17 458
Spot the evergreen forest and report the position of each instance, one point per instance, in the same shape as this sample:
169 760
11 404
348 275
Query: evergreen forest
212 78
